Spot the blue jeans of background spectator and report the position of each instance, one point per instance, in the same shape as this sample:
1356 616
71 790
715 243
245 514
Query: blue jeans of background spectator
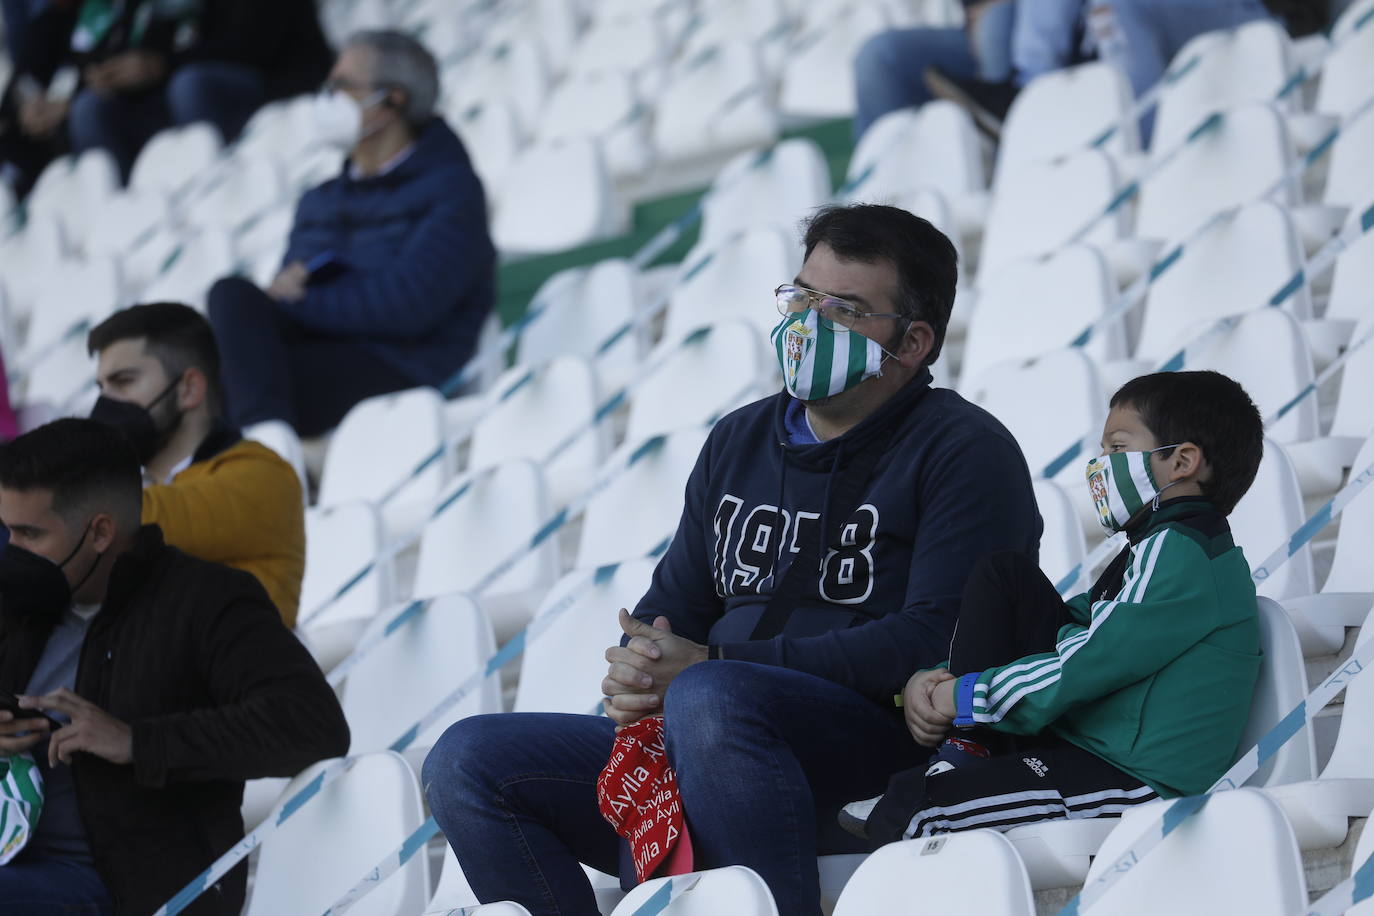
224 94
34 885
1042 39
765 758
888 68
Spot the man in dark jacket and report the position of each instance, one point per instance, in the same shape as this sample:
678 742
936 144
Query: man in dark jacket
171 680
390 271
825 538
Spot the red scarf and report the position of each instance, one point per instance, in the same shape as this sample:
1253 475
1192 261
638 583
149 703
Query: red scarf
638 796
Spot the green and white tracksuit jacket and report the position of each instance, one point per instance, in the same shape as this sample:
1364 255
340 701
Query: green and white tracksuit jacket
1157 672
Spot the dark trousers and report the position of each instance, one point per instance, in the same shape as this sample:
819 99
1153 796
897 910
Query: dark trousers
38 885
274 369
1010 610
765 757
224 94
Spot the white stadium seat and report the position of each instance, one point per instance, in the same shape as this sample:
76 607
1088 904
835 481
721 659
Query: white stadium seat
934 146
733 279
779 188
422 661
344 546
1236 855
716 102
730 891
175 158
556 196
706 375
1264 519
327 845
975 872
580 309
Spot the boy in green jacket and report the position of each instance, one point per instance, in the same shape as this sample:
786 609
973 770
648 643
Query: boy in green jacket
1137 689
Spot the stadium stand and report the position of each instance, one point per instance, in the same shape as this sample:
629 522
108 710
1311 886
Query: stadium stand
1086 260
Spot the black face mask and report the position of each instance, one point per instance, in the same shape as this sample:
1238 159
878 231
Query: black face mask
32 585
137 423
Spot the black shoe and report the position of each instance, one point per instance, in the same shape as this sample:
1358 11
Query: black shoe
988 103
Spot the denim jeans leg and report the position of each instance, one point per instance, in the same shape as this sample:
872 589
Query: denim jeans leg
118 123
766 757
888 69
991 41
222 93
34 885
1042 37
515 795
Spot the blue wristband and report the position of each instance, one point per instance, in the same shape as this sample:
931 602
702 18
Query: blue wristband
963 700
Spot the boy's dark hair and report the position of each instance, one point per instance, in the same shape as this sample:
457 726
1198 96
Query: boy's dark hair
87 465
1213 412
927 266
177 336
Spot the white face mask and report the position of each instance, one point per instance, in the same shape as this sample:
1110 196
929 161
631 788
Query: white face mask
339 118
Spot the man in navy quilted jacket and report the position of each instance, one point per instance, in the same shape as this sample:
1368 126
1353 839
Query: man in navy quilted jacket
389 272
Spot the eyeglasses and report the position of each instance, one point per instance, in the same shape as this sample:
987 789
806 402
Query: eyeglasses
835 313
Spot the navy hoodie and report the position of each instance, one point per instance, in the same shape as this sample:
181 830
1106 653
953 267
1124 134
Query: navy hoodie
951 486
418 267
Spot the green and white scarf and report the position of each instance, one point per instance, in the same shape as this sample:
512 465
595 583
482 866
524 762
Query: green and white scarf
21 802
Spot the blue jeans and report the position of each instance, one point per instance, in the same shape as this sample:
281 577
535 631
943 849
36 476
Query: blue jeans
888 68
1042 38
34 885
224 94
765 758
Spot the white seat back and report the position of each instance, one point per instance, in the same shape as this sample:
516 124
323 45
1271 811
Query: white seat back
709 373
1063 111
282 439
1237 855
642 506
482 519
731 280
564 655
716 101
1234 267
1351 570
538 410
1232 163
781 190
438 646
1034 305
378 445
731 891
556 196
1282 685
176 157
1016 392
977 871
581 309
1347 73
322 850
1264 519
934 146
1247 64
1062 545
1040 206
343 543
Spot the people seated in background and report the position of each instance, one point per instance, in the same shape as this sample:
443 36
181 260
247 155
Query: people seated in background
214 494
1049 35
889 69
389 272
1136 689
171 680
147 65
823 546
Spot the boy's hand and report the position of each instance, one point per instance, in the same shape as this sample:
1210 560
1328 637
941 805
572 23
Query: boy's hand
942 698
927 723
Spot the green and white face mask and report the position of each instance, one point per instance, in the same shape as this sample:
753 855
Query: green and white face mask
818 360
1122 484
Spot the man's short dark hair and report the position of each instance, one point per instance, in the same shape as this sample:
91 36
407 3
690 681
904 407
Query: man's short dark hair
1213 412
927 266
177 336
88 466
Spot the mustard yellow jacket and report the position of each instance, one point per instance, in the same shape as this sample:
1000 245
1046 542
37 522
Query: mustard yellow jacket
240 505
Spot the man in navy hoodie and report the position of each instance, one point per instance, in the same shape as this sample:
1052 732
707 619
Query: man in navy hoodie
824 542
389 272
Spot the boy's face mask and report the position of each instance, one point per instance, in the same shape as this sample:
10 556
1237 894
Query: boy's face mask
1122 485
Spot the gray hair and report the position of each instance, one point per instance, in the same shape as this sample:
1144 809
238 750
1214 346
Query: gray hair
401 62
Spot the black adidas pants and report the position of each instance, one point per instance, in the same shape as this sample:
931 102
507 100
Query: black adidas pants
1009 610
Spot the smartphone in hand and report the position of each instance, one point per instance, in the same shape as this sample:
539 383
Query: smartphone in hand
10 703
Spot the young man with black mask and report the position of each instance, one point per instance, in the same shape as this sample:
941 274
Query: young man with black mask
215 495
171 681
